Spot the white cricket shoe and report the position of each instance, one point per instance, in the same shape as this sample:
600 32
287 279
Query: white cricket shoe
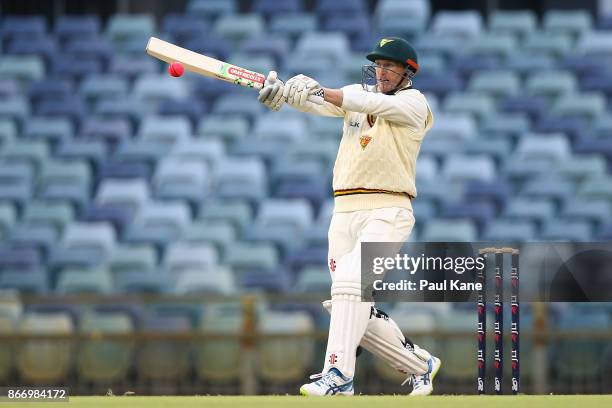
333 382
423 384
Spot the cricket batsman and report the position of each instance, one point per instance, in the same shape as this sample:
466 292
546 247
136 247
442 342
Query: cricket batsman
385 120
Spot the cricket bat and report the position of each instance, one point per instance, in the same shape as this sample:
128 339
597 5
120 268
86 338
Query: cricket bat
211 67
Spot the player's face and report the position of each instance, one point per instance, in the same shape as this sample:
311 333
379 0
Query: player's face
389 74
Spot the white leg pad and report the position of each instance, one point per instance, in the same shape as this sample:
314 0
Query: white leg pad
384 339
349 319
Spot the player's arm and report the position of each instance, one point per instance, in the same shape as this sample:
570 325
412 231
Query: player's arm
405 107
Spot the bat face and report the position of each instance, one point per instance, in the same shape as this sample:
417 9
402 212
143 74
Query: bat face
204 65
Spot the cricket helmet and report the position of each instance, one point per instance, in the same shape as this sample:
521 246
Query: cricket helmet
395 49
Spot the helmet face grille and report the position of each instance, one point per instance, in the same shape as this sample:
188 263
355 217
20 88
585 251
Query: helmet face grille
370 83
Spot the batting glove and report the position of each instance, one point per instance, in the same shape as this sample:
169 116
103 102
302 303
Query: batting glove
271 94
298 90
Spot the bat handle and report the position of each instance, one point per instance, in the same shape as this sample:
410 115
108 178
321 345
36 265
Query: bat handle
317 97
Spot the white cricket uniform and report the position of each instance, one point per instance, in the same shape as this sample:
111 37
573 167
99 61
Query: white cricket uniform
374 183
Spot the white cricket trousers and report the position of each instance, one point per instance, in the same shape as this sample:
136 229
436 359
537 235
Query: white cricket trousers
349 316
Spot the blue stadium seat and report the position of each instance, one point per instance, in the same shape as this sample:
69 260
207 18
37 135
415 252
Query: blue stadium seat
72 108
16 182
255 280
33 282
479 212
81 26
510 231
291 129
567 230
55 213
126 258
166 130
25 68
498 192
237 27
95 87
143 282
480 106
460 23
245 256
495 83
132 66
599 187
123 27
574 22
464 168
580 167
506 124
93 151
449 230
596 43
554 147
519 22
31 26
8 217
94 280
212 45
182 256
95 48
347 8
202 149
44 47
219 233
241 178
532 106
181 27
34 152
158 222
151 87
181 179
75 68
211 8
313 279
118 217
535 210
526 62
440 84
9 87
330 45
552 187
271 7
238 105
53 130
191 108
238 212
587 105
573 127
352 27
110 130
498 45
267 44
131 194
550 43
458 126
21 260
551 83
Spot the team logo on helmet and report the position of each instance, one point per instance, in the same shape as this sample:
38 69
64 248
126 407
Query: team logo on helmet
384 42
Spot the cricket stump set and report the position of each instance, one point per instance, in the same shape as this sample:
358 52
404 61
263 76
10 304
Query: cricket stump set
499 321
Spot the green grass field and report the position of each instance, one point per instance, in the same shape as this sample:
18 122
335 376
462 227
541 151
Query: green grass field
457 401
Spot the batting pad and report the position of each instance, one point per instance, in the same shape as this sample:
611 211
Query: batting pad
349 319
384 339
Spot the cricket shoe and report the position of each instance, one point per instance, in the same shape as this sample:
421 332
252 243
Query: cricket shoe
423 384
333 382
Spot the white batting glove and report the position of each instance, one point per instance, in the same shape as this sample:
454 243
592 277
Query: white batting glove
271 94
298 90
